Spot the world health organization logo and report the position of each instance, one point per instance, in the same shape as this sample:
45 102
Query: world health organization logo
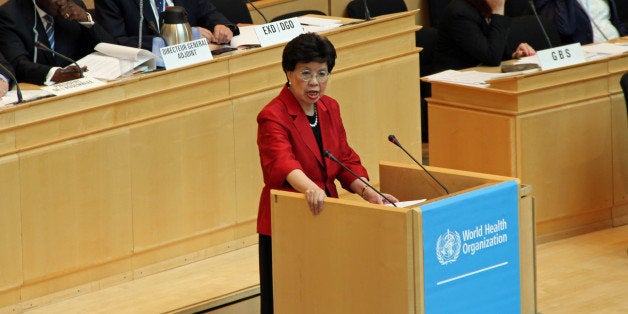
448 247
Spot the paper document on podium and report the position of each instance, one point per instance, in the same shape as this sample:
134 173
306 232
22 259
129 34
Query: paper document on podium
110 61
470 78
247 38
408 203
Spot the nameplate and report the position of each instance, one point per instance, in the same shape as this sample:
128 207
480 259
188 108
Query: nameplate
73 86
191 52
278 32
562 56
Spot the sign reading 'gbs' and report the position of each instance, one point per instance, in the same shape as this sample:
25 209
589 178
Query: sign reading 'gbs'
560 56
278 32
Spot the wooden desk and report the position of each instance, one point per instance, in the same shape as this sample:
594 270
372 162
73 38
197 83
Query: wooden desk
160 170
561 131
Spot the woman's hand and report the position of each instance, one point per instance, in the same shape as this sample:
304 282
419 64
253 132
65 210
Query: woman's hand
523 50
315 199
373 197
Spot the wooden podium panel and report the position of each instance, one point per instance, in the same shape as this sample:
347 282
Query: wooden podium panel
154 171
353 258
562 131
356 257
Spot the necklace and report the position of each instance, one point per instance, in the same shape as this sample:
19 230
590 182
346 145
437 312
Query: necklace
315 118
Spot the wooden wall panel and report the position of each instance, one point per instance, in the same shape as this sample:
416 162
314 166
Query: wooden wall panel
11 275
75 200
620 159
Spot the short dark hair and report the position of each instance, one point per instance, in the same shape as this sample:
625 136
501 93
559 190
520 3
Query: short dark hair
308 47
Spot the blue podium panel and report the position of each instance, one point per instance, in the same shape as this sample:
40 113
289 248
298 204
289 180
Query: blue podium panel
471 252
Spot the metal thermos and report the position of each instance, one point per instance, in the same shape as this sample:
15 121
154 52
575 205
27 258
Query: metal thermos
175 28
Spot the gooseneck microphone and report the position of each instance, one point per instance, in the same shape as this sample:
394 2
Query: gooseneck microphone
367 14
393 139
330 156
141 23
41 45
538 19
17 85
258 11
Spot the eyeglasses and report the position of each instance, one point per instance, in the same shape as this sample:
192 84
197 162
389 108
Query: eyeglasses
321 76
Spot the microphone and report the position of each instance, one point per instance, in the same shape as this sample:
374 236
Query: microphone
41 45
258 11
367 14
17 86
330 156
139 27
394 140
549 42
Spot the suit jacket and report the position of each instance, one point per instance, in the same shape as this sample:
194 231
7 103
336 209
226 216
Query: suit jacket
286 142
17 40
121 19
465 39
572 21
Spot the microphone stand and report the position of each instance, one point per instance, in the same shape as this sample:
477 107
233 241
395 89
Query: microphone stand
393 139
330 156
41 45
367 14
18 91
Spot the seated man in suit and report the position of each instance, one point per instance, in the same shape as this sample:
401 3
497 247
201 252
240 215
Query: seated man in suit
62 25
121 18
583 21
5 78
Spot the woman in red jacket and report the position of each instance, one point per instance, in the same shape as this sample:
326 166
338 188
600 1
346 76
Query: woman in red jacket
294 130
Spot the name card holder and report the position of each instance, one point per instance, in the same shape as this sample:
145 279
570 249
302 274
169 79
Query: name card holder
278 32
561 56
191 52
73 86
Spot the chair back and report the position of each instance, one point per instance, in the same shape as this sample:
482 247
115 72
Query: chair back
355 8
296 14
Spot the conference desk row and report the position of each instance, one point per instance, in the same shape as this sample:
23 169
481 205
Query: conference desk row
562 131
154 171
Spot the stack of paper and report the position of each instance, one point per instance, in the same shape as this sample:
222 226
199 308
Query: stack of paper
110 61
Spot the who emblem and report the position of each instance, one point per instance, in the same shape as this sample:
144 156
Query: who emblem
448 247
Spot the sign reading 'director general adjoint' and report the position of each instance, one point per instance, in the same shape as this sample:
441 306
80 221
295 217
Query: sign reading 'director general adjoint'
278 32
471 252
191 52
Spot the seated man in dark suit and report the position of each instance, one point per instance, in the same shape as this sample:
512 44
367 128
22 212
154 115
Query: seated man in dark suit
5 78
72 33
121 18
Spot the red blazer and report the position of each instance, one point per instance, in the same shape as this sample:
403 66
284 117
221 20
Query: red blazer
286 142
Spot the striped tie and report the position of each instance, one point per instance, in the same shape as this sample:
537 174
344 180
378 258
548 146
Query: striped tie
160 5
50 31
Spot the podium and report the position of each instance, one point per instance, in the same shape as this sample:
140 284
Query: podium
471 250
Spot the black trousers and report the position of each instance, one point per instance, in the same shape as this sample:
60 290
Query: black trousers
266 274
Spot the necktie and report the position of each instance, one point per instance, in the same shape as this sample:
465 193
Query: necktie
160 5
50 31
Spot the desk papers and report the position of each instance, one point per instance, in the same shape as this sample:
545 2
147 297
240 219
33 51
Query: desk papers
27 95
111 61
